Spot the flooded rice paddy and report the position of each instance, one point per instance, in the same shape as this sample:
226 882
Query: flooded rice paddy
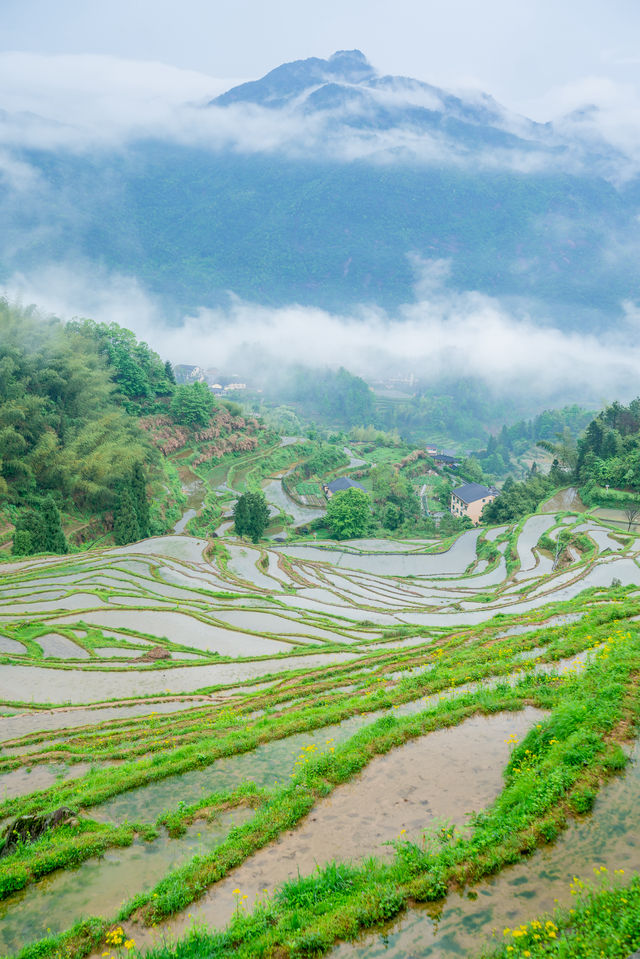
444 776
239 624
609 837
99 886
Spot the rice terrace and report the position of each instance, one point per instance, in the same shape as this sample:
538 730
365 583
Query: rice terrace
360 748
319 480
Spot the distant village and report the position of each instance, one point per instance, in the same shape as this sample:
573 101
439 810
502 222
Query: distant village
466 500
218 383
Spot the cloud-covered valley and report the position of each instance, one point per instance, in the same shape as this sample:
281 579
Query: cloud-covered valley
441 334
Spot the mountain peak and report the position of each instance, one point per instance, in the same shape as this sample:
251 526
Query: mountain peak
357 56
289 80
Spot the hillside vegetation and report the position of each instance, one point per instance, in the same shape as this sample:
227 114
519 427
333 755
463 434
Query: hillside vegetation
88 419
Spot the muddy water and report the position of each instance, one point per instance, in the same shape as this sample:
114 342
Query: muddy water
186 548
20 724
610 836
617 516
66 686
494 532
265 765
271 623
55 646
185 629
184 519
568 499
11 646
443 776
454 560
276 496
195 497
22 781
601 574
242 562
547 624
600 536
99 886
388 545
531 533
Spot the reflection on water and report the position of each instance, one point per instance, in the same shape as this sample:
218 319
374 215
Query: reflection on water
610 836
28 779
442 776
99 886
566 499
263 766
454 561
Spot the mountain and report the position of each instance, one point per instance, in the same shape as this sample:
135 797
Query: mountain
347 85
327 184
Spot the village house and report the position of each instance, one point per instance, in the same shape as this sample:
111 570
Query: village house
339 485
447 459
469 500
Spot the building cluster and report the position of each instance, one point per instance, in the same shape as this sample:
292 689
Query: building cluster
220 385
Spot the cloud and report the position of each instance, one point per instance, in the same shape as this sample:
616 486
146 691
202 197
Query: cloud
599 114
81 100
441 334
17 175
87 102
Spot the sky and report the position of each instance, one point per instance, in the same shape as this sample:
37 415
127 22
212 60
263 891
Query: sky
535 56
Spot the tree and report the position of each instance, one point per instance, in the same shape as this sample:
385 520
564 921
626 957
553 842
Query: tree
192 404
251 515
565 450
30 534
125 519
631 511
471 470
349 513
394 497
140 501
55 540
168 370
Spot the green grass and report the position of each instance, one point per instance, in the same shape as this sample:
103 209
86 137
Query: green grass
454 673
604 921
546 781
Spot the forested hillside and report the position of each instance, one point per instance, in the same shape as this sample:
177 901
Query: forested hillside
609 452
69 436
604 461
76 401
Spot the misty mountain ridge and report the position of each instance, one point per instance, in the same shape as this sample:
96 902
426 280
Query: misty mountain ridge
326 184
347 86
348 90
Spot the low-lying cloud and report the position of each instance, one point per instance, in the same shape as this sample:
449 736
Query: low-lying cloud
441 334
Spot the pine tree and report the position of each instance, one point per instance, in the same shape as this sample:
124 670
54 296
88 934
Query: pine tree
22 545
140 501
54 536
168 371
30 535
125 520
241 515
258 519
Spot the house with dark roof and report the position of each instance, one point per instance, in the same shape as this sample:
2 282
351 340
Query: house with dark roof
470 499
340 484
447 459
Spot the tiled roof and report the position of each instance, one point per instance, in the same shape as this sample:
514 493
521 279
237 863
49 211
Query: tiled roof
471 492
